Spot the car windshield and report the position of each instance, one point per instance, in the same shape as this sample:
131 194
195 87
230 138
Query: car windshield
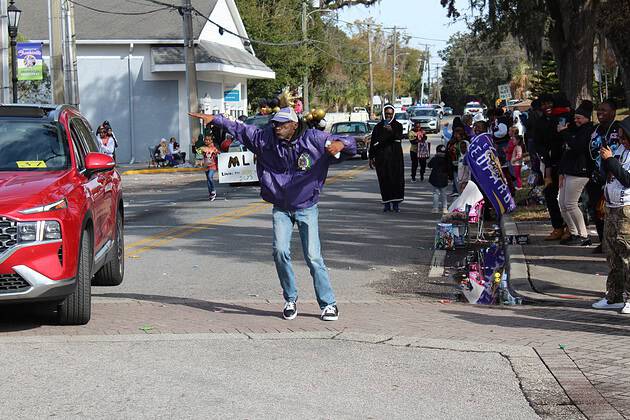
473 104
349 128
258 121
32 146
425 113
401 116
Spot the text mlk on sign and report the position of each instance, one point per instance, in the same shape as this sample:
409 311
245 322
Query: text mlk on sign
237 167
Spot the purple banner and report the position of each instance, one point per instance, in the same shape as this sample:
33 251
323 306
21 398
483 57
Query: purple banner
485 169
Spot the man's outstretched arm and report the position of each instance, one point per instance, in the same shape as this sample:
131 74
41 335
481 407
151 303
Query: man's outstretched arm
249 135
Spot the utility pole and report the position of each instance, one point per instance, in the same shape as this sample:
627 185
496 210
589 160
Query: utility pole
393 100
71 86
305 92
369 35
191 72
55 35
5 96
429 74
438 85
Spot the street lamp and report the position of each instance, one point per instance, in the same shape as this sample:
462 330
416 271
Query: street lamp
14 20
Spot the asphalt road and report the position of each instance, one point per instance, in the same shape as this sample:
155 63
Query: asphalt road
181 246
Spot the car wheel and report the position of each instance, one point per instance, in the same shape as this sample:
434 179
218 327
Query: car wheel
76 309
112 273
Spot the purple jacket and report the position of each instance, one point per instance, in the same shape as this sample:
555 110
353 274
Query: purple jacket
291 173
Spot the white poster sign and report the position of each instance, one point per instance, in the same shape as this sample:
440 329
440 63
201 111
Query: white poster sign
237 167
504 92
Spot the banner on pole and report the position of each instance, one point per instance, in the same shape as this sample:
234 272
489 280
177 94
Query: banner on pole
485 169
29 61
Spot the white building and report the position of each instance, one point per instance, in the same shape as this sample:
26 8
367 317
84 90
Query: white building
131 67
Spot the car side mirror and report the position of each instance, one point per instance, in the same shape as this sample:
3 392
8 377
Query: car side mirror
99 162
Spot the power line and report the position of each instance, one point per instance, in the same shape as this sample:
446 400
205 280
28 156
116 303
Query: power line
94 9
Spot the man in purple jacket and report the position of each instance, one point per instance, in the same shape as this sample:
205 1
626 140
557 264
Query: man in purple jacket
292 167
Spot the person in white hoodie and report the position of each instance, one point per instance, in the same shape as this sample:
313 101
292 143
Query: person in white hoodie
617 222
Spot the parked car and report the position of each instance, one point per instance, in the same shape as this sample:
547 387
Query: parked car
429 119
439 109
361 132
403 118
448 110
258 120
473 108
372 123
61 211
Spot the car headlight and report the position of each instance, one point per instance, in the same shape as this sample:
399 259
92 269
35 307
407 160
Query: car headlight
57 205
45 230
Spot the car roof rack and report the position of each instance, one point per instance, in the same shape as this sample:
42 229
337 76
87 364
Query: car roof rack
27 110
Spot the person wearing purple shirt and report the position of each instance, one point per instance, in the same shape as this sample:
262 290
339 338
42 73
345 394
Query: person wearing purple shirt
292 165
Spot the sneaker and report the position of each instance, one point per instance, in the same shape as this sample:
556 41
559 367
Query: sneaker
586 242
603 304
396 208
290 310
212 196
330 313
575 240
625 309
413 180
555 235
387 207
444 210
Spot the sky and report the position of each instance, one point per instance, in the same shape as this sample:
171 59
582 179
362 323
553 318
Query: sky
422 18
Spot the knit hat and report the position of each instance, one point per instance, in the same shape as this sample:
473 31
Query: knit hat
585 109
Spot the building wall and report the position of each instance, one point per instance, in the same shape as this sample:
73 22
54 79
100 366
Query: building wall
108 74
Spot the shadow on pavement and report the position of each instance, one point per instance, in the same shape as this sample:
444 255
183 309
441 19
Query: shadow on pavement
225 308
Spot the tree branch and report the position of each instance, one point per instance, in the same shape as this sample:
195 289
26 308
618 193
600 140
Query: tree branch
338 4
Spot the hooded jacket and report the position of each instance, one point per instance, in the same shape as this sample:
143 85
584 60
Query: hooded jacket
576 159
291 173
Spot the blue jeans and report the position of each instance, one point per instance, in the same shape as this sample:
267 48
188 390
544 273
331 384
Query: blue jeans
307 223
209 175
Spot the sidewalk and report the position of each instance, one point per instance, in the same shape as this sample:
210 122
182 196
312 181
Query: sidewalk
143 168
550 272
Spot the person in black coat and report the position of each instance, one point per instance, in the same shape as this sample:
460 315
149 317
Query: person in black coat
387 157
441 172
575 169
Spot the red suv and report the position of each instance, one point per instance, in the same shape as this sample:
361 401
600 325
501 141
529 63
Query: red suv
61 211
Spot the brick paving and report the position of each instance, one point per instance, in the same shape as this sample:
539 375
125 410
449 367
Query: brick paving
583 348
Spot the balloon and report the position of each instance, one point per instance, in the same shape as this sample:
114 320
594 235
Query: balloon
276 109
309 117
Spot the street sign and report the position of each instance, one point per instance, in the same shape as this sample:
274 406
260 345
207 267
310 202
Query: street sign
29 61
232 95
237 167
505 92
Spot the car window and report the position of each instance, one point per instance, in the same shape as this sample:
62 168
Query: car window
79 149
85 136
425 113
349 128
401 116
32 145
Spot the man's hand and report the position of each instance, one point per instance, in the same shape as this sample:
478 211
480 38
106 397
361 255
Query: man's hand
605 153
207 119
335 147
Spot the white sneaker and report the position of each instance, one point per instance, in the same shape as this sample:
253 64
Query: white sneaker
603 304
626 308
330 313
444 210
290 311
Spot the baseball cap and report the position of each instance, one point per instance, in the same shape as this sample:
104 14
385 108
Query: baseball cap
285 115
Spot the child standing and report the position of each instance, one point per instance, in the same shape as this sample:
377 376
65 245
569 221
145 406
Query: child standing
210 161
424 151
441 171
417 138
514 155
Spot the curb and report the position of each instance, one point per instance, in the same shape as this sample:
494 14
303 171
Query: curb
517 268
160 170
